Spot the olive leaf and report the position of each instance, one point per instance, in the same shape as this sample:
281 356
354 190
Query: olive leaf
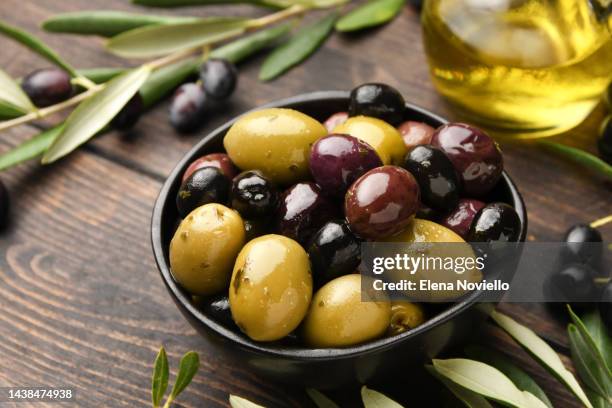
580 157
105 23
188 367
9 111
371 14
374 399
31 148
182 3
597 400
486 381
35 45
12 95
151 41
159 382
298 48
469 398
244 47
96 112
519 377
166 79
238 402
595 327
100 75
542 353
320 400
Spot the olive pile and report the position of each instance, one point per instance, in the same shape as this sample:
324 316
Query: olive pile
273 248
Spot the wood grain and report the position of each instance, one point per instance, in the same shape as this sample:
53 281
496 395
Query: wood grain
82 302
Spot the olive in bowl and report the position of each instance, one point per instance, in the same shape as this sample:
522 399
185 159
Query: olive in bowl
303 365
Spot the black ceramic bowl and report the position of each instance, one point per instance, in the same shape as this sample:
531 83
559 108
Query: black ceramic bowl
322 368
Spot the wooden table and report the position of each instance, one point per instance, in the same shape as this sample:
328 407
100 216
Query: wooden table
82 304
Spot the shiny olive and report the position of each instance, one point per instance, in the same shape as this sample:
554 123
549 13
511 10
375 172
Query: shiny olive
219 78
405 316
425 231
217 307
574 283
384 138
460 219
129 114
495 222
47 86
415 133
605 307
333 252
583 244
475 155
336 161
604 143
206 185
436 176
4 205
204 247
303 209
218 160
378 101
339 318
188 107
271 287
253 195
275 141
381 202
335 120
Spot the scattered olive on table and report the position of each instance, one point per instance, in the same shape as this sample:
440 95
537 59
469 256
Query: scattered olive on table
270 240
583 244
219 78
129 114
188 107
47 86
574 283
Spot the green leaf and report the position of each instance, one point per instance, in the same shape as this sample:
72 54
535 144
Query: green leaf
371 14
100 75
9 111
159 382
35 45
587 364
31 148
597 400
151 41
188 367
12 94
542 353
183 3
166 79
105 23
469 398
487 381
238 402
580 157
374 399
244 47
519 377
320 400
298 48
96 112
594 325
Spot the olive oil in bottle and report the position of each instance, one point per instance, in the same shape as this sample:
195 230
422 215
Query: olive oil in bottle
526 68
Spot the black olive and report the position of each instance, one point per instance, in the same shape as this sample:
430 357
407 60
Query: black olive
47 86
129 114
253 194
604 143
188 107
573 283
4 205
495 222
583 244
605 307
426 213
219 78
206 185
217 308
334 251
379 101
436 176
255 228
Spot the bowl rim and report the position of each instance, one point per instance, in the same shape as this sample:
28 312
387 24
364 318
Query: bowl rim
273 349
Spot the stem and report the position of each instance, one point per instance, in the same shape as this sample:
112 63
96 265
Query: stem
168 402
83 81
270 19
600 222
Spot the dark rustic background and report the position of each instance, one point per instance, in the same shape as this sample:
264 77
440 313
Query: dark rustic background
81 302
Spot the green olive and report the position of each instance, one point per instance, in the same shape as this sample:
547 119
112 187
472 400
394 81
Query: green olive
405 316
338 317
274 141
271 287
204 248
383 137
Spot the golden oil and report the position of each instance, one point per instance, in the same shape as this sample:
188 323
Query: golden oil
522 67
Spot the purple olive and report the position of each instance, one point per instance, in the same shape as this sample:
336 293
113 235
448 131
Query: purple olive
129 114
188 107
460 219
335 120
382 202
336 161
302 211
47 86
219 78
415 133
218 160
475 155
